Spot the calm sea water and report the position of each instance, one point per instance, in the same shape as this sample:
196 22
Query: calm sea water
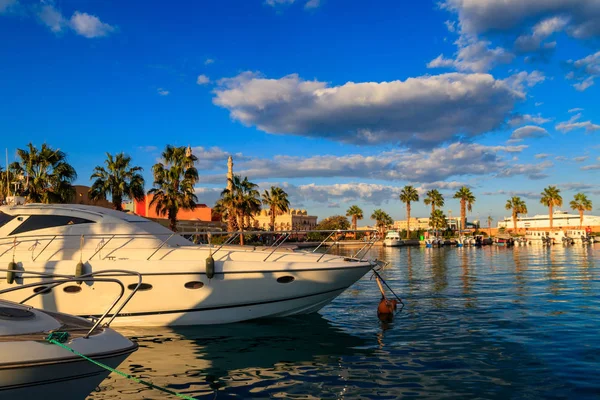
491 323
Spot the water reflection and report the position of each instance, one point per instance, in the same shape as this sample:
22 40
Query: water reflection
487 322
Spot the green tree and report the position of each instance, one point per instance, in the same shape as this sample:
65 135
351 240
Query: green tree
174 180
434 198
119 180
356 213
467 199
407 195
335 222
551 198
437 220
241 202
48 177
581 203
517 206
382 220
277 201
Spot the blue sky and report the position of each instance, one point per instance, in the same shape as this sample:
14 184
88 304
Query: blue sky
341 102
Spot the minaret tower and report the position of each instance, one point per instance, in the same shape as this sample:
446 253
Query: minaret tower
229 173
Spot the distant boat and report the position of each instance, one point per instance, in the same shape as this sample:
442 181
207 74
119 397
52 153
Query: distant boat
392 239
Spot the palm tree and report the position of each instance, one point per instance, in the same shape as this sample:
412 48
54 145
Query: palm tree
550 198
241 202
438 220
407 195
356 213
489 221
277 201
517 206
174 180
119 180
434 198
466 203
47 174
382 219
581 203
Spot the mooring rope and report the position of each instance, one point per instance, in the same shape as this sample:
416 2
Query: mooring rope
59 338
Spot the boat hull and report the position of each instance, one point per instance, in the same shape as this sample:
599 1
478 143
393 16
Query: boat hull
187 297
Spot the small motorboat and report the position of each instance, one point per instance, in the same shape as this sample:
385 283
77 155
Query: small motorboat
392 239
32 367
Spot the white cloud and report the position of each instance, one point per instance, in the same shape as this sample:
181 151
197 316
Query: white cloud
8 5
83 24
418 112
580 158
524 79
542 155
511 193
529 131
312 4
89 26
585 71
51 17
450 25
162 92
532 171
214 158
473 55
147 149
209 61
540 32
575 123
592 167
521 119
539 103
458 159
577 109
477 16
202 79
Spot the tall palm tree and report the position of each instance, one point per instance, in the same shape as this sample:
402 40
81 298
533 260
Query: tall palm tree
382 220
174 180
119 180
277 201
435 198
581 203
407 195
489 221
466 203
48 177
438 220
242 201
356 213
517 206
551 198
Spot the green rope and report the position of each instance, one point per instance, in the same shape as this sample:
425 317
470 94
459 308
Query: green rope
58 338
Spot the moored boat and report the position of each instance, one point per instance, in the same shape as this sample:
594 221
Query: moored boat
392 239
183 283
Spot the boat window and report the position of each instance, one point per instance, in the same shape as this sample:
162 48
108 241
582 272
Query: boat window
36 222
5 219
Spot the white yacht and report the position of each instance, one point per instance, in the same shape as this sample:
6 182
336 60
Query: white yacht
178 287
392 239
33 368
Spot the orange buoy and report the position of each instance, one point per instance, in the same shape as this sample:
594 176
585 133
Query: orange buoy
386 309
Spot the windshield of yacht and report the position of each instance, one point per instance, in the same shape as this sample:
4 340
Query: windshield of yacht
5 218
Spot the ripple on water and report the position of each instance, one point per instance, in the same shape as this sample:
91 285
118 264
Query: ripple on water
478 323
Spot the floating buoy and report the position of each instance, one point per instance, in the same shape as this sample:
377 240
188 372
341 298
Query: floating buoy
79 270
12 270
210 267
386 309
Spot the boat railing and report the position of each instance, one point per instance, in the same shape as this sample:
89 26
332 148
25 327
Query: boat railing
9 245
50 281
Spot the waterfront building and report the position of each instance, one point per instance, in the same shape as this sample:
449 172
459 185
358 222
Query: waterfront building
423 224
542 221
82 197
292 220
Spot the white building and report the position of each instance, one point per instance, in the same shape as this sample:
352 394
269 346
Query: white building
559 219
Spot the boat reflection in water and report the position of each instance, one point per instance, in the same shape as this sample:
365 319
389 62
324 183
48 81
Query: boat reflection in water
199 360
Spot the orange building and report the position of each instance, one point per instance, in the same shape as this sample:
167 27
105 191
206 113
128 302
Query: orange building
201 213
